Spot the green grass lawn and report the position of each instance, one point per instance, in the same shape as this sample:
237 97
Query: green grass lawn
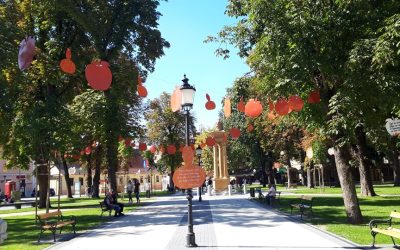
329 214
23 233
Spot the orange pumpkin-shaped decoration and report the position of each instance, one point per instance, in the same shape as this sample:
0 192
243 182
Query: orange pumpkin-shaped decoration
67 65
98 75
253 108
282 107
171 149
176 99
142 91
128 142
142 146
210 105
227 107
88 150
234 132
250 127
296 103
187 155
241 106
153 149
210 141
314 97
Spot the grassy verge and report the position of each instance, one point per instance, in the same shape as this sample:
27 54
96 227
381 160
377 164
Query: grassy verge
329 214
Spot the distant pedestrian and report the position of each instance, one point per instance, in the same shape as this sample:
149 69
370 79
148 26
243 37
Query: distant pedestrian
129 189
136 190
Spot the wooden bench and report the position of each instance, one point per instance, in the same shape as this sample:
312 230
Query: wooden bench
385 227
305 203
54 221
273 199
104 208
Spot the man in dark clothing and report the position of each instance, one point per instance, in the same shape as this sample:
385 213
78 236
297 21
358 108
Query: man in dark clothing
115 202
137 190
109 202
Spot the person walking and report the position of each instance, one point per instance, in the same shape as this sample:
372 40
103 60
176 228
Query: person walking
137 190
129 189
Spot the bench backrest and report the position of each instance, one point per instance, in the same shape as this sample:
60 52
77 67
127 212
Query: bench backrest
49 215
307 198
395 214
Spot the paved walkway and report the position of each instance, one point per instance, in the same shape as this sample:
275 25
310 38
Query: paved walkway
220 223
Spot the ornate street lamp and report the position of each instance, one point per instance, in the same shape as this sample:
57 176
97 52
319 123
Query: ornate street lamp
187 104
199 151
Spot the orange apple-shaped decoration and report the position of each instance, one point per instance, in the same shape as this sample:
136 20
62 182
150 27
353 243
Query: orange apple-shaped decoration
153 149
282 107
253 108
250 127
227 107
88 150
210 105
171 149
241 106
235 133
314 97
296 103
98 75
142 146
142 91
67 65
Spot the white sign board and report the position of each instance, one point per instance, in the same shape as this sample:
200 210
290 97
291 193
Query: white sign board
393 126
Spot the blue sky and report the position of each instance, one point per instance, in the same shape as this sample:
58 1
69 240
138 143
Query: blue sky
186 24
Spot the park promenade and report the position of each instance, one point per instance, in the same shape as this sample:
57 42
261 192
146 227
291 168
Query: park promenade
221 222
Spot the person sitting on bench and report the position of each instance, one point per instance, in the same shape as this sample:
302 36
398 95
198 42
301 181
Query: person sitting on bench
271 194
109 202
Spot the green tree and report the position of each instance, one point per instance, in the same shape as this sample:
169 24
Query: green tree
165 127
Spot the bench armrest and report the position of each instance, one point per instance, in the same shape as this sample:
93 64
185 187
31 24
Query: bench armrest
375 223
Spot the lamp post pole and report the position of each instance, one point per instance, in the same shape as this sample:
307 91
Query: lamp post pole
187 103
198 153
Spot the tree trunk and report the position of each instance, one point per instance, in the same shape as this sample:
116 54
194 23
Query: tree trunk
89 175
43 183
288 170
264 173
396 165
96 177
111 128
270 170
367 188
350 199
304 176
66 176
310 183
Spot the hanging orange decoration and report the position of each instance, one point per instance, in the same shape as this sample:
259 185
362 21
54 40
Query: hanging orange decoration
203 145
88 150
234 132
142 91
176 99
282 107
250 127
296 103
171 149
210 105
227 107
314 97
210 141
241 106
142 146
67 65
153 149
128 142
98 75
253 108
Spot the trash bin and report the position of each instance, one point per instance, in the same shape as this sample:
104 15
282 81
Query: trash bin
252 192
